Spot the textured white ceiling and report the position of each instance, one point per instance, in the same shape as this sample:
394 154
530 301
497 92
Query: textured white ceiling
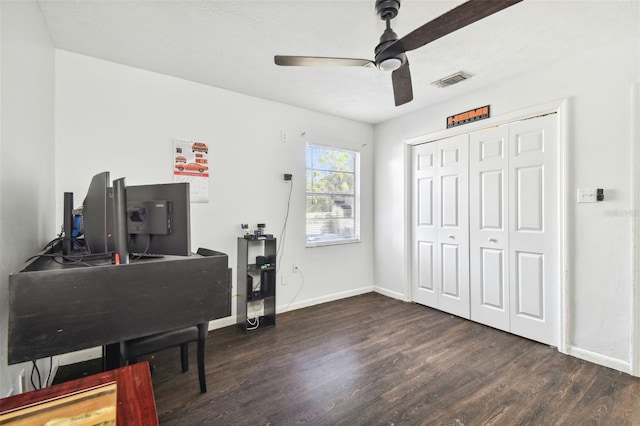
231 44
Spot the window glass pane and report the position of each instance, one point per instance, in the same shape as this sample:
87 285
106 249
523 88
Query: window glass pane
331 182
330 205
332 215
309 179
330 159
309 156
328 219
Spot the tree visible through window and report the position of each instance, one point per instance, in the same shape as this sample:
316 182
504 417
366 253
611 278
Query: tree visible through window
332 196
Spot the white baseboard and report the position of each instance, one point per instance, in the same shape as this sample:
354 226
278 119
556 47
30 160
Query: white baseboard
324 299
80 356
599 359
222 322
392 294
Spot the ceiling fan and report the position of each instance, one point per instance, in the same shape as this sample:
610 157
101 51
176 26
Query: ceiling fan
390 51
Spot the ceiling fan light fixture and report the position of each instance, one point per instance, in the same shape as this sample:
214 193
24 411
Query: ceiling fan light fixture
390 64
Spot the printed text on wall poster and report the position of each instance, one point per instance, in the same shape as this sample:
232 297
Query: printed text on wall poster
191 164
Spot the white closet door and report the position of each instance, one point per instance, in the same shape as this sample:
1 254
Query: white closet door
488 227
424 224
533 223
453 225
485 227
440 230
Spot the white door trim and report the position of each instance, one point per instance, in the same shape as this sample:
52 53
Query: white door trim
635 230
561 108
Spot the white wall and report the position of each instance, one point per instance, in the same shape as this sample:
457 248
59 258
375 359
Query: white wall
121 119
598 85
27 219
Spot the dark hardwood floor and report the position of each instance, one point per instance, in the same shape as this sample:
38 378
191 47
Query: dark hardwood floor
373 360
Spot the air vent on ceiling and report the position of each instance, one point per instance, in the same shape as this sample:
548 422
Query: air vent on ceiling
452 79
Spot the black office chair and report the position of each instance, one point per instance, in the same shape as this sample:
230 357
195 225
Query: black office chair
132 349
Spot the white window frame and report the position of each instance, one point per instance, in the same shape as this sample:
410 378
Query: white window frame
355 208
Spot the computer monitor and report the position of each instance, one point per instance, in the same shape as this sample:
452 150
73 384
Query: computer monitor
157 218
97 215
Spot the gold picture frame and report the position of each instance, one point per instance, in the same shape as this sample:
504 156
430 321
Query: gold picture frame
94 406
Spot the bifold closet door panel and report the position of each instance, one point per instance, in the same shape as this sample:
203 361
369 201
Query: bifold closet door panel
533 245
488 227
424 225
453 225
440 230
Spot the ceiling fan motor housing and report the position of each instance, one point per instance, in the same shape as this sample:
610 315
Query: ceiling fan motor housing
386 39
387 9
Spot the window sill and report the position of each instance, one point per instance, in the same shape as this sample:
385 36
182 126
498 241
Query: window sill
331 243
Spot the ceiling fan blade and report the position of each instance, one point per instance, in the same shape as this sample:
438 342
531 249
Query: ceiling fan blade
458 17
402 88
317 61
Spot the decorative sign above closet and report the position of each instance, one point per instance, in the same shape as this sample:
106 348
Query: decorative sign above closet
468 116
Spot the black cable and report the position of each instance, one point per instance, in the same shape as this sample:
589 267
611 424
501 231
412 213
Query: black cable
34 256
39 375
53 242
33 385
138 256
74 261
48 382
49 244
37 370
284 227
78 260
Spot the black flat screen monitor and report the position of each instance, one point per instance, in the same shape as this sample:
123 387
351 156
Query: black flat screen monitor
158 218
168 203
97 215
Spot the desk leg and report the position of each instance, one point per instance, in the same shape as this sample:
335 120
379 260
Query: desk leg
111 356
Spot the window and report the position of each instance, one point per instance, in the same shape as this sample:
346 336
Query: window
333 215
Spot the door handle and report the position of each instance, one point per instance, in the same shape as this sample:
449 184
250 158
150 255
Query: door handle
451 236
493 240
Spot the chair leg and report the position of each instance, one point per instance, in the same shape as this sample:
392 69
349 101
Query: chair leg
203 382
184 356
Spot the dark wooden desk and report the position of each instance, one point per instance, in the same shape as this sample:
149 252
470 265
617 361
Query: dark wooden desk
56 309
136 403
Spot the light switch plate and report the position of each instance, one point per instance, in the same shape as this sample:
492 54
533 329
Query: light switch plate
587 195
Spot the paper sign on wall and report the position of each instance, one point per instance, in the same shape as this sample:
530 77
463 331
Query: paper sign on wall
191 164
